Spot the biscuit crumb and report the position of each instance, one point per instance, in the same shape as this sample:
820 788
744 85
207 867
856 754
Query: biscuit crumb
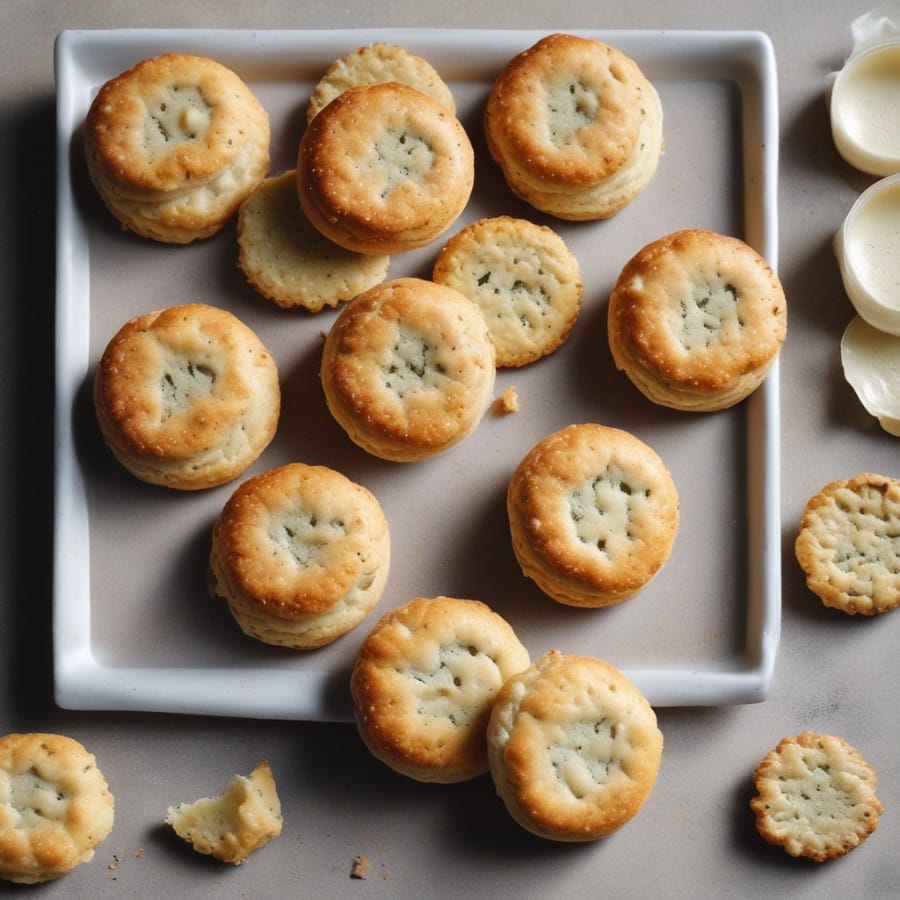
507 402
361 867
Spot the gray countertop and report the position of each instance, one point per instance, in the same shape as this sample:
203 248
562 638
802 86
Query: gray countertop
695 837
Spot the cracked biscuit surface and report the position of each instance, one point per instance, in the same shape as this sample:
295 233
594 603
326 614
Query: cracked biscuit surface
408 369
815 797
55 806
696 319
187 397
593 514
424 681
848 544
574 748
301 555
174 145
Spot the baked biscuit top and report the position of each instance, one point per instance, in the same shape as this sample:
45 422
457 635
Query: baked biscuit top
171 122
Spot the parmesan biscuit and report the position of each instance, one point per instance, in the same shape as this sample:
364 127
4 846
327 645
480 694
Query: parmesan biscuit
423 685
522 277
55 806
291 263
815 797
696 320
408 369
174 145
593 514
376 64
848 544
230 827
575 127
187 397
384 169
574 748
301 554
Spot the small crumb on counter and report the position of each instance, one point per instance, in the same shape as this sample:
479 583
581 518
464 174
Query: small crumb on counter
361 867
507 402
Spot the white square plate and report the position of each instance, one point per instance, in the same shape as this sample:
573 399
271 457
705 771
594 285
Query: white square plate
134 627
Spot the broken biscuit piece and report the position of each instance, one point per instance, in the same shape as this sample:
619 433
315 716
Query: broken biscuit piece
230 827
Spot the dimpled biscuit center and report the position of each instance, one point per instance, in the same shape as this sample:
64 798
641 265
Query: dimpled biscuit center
453 687
301 535
412 365
35 800
701 319
184 379
401 157
573 106
586 755
180 115
604 511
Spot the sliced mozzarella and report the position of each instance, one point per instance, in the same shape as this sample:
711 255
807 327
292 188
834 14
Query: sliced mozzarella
871 361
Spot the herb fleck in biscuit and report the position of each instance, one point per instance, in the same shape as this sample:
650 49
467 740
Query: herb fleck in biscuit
593 514
55 806
815 797
522 277
574 748
848 544
408 369
423 685
376 64
291 263
696 320
301 555
575 127
384 169
174 145
187 397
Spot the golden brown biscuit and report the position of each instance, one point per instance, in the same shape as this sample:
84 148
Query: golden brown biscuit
376 64
847 544
523 278
174 145
232 826
291 263
408 369
424 682
384 169
815 797
55 806
301 555
574 748
696 320
593 514
575 127
187 397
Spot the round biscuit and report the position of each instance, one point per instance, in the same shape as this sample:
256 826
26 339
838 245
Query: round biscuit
523 278
175 144
378 63
187 397
55 806
593 515
300 554
384 169
696 319
408 369
574 748
289 261
847 544
424 681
